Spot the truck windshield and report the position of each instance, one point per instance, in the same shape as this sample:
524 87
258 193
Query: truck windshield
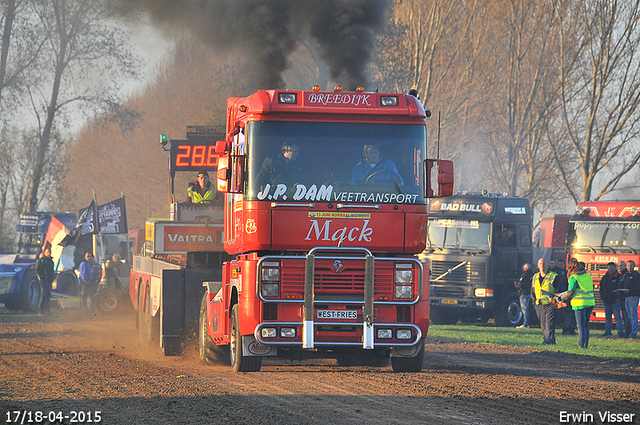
458 234
28 243
335 162
606 235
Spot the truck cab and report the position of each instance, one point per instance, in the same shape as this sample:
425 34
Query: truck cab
477 244
601 232
325 212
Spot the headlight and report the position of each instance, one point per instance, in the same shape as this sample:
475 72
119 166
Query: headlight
270 289
403 276
268 332
404 292
385 333
270 275
389 100
289 98
483 292
288 332
403 334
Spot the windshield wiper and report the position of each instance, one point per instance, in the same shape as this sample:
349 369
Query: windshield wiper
627 247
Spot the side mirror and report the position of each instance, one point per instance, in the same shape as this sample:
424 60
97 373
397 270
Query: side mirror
223 175
222 146
439 178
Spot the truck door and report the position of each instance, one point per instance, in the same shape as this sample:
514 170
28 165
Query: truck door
506 259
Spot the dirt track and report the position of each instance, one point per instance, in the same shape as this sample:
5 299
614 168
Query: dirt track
72 363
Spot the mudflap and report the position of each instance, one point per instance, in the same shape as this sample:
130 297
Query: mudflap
182 293
173 311
252 348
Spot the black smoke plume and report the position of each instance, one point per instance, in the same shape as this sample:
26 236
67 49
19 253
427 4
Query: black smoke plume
269 30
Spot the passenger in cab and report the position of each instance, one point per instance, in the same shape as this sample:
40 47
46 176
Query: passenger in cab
373 168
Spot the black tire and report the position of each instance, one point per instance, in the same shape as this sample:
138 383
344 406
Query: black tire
439 316
30 292
12 306
149 329
409 364
207 348
108 301
238 361
67 283
509 312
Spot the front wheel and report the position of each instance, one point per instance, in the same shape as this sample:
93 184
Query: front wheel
240 362
509 312
67 283
30 291
108 301
409 364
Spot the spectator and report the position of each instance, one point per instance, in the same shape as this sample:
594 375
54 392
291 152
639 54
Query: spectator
632 283
609 284
202 191
524 292
543 288
44 270
566 318
622 269
581 290
116 268
374 169
88 284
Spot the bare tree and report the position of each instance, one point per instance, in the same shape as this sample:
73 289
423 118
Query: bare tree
434 46
600 97
526 89
85 56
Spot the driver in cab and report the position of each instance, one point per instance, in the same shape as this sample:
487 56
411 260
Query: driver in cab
373 168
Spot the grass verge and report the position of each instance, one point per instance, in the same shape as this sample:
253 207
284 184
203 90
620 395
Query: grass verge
610 348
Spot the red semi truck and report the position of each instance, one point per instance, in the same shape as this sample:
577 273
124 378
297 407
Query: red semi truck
601 232
322 242
550 238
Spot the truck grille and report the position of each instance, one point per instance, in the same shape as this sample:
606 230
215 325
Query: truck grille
463 275
446 291
349 281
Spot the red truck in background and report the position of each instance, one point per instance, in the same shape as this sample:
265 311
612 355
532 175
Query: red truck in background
322 256
549 238
601 232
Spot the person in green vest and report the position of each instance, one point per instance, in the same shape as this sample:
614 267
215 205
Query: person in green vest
202 191
543 288
582 301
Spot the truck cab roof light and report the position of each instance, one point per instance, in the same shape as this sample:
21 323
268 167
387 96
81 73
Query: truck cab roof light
316 88
359 89
288 98
579 210
337 89
388 100
634 211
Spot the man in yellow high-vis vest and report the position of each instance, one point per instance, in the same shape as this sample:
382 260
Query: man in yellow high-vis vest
202 191
543 288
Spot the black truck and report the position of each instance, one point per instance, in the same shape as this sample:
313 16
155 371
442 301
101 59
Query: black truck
477 244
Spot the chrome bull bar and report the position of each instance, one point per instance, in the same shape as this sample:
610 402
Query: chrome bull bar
309 294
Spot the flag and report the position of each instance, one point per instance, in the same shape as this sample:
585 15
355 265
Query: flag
112 217
87 224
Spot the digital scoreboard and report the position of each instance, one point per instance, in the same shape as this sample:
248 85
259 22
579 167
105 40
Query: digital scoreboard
193 155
